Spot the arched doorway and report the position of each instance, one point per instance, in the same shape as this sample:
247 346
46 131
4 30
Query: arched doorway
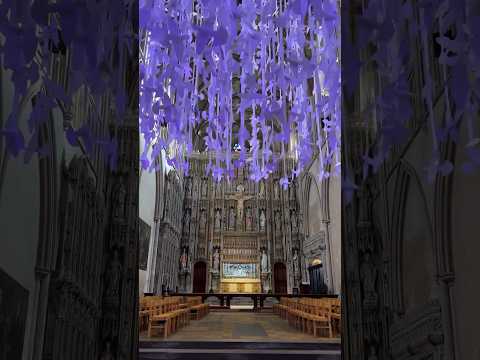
199 277
280 278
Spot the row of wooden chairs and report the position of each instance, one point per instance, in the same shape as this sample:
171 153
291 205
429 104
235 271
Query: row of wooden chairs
317 316
197 309
167 314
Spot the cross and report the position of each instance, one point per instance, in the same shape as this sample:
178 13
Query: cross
240 198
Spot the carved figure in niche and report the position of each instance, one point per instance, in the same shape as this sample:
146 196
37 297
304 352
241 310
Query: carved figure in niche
184 260
231 219
262 189
278 224
262 220
248 219
295 264
203 220
294 220
218 188
113 276
264 262
186 222
204 187
120 195
369 274
218 219
216 261
240 197
276 191
292 192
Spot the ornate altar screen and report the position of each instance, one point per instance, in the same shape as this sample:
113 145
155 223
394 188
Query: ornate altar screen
239 270
240 278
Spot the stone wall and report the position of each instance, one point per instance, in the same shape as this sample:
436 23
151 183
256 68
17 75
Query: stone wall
69 226
409 240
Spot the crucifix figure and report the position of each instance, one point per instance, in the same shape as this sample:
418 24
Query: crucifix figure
240 197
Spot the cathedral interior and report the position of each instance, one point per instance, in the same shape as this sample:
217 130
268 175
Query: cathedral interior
239 179
241 248
241 217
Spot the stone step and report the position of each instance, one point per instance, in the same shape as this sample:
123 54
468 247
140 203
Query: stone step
244 344
239 350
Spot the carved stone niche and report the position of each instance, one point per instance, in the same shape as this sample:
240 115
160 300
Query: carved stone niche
419 335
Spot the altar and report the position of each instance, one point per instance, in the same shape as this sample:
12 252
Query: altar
240 285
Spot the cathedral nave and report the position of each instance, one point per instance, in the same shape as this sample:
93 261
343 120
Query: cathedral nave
244 259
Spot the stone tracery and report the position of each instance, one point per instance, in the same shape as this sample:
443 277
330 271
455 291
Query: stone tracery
239 222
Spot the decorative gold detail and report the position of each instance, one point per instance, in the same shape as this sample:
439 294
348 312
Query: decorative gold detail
240 285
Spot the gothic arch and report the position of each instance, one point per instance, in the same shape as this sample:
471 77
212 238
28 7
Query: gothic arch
304 202
443 249
406 182
322 192
280 277
200 277
442 219
81 229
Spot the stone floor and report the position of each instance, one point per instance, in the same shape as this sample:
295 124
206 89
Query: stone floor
239 335
238 325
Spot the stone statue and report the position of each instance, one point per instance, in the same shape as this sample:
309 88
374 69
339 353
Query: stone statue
216 261
204 187
276 192
240 197
278 224
292 192
295 264
262 220
294 220
184 260
218 219
248 219
113 276
186 221
264 262
203 219
231 219
369 275
120 197
262 189
218 188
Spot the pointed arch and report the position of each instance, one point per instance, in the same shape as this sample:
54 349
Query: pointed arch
407 180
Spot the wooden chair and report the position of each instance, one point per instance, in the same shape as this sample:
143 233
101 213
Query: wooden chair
321 320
